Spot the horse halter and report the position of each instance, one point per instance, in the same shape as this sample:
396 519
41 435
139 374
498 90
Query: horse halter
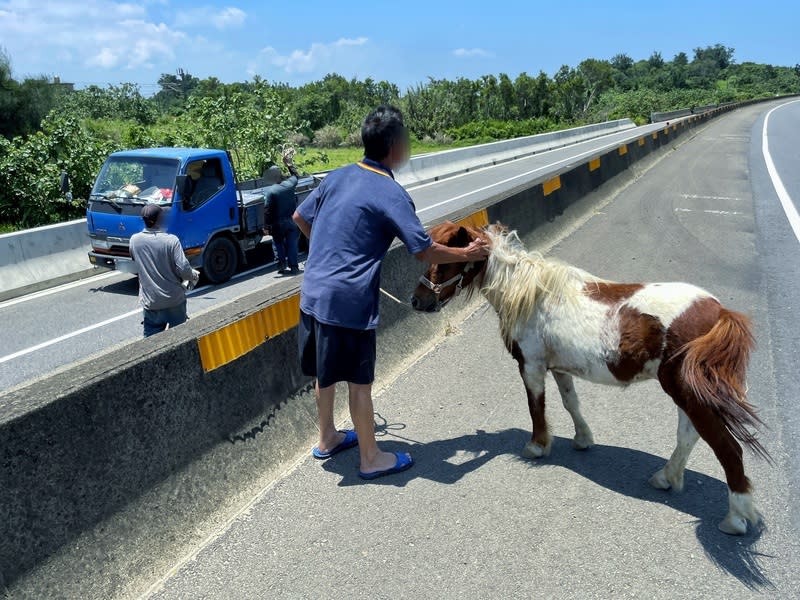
438 288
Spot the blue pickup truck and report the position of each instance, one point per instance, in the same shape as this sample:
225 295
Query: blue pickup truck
216 218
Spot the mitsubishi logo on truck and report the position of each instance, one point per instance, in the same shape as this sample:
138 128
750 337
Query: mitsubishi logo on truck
121 227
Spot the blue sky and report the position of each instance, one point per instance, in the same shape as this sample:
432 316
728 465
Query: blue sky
295 41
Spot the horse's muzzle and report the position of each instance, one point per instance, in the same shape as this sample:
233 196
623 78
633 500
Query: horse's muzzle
427 303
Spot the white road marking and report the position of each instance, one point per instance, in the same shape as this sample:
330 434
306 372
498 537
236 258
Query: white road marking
595 151
89 328
786 201
710 212
59 288
67 336
701 197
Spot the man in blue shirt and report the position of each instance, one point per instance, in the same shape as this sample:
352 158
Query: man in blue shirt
351 220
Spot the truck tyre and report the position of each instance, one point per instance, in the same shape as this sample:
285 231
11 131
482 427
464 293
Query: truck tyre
220 260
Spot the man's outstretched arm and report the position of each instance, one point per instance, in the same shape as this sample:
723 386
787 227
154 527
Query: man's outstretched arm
439 254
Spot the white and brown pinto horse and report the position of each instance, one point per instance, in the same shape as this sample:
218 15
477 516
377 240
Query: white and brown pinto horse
558 318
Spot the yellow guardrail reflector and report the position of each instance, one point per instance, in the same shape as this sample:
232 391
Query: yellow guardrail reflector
655 135
594 164
236 339
666 130
477 219
623 150
551 185
641 141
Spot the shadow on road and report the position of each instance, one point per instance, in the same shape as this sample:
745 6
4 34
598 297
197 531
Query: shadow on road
626 471
622 470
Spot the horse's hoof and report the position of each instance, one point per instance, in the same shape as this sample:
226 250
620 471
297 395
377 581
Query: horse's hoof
733 525
583 442
659 480
534 450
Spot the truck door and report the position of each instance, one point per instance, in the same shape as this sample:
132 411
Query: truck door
210 205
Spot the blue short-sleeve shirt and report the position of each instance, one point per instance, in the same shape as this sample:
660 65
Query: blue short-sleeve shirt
355 214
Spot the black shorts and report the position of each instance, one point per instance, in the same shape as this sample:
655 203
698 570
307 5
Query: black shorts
332 354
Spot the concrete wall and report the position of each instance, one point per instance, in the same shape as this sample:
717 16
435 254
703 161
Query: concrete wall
42 257
114 467
440 165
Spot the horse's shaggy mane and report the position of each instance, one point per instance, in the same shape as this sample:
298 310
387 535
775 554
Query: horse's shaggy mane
516 279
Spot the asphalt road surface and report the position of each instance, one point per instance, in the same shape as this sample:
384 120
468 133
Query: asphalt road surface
471 519
47 330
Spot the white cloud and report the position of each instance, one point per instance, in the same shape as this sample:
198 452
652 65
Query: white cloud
229 17
472 53
336 55
102 34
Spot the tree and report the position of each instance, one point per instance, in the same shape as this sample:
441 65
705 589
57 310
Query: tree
655 61
175 89
568 90
719 55
597 76
680 59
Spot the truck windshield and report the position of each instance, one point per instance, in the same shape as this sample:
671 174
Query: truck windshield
137 180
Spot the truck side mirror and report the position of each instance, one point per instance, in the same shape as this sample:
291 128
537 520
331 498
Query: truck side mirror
182 185
64 182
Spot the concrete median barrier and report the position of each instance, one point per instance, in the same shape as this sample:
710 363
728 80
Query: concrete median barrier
113 468
440 165
42 257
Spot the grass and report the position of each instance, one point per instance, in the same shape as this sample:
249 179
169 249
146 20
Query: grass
7 228
313 160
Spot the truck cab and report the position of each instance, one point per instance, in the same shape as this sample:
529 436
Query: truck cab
215 218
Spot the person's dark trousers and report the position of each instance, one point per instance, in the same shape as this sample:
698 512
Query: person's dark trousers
285 237
156 321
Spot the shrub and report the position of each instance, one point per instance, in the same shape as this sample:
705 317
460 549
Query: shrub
30 168
353 139
443 139
327 137
298 139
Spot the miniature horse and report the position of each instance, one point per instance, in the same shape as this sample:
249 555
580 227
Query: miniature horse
558 318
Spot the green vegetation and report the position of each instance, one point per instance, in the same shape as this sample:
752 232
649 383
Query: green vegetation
46 128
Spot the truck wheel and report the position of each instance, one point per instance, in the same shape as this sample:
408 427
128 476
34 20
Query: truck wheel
220 260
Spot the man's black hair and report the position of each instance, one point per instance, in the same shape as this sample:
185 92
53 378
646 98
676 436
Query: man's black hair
150 214
382 128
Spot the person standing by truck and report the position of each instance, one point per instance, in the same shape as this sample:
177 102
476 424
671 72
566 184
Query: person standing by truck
162 270
351 220
279 206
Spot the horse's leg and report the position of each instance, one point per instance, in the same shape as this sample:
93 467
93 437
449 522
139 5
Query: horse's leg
539 446
583 435
533 372
729 454
671 475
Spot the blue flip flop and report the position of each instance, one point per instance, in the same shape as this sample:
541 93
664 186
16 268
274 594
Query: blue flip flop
350 440
403 462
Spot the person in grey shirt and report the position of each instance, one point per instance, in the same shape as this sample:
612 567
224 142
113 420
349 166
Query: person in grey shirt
162 270
280 204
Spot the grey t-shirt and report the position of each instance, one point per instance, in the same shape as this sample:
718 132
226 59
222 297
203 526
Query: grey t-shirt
162 267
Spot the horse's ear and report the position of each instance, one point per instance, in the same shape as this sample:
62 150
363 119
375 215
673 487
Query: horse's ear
463 237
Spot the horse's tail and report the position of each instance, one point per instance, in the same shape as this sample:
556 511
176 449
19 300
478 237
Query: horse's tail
714 367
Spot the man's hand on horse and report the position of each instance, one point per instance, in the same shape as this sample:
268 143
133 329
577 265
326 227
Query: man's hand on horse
478 249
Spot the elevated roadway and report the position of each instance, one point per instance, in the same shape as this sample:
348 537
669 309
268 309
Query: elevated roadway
471 519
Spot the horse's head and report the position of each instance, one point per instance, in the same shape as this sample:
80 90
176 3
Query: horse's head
441 283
